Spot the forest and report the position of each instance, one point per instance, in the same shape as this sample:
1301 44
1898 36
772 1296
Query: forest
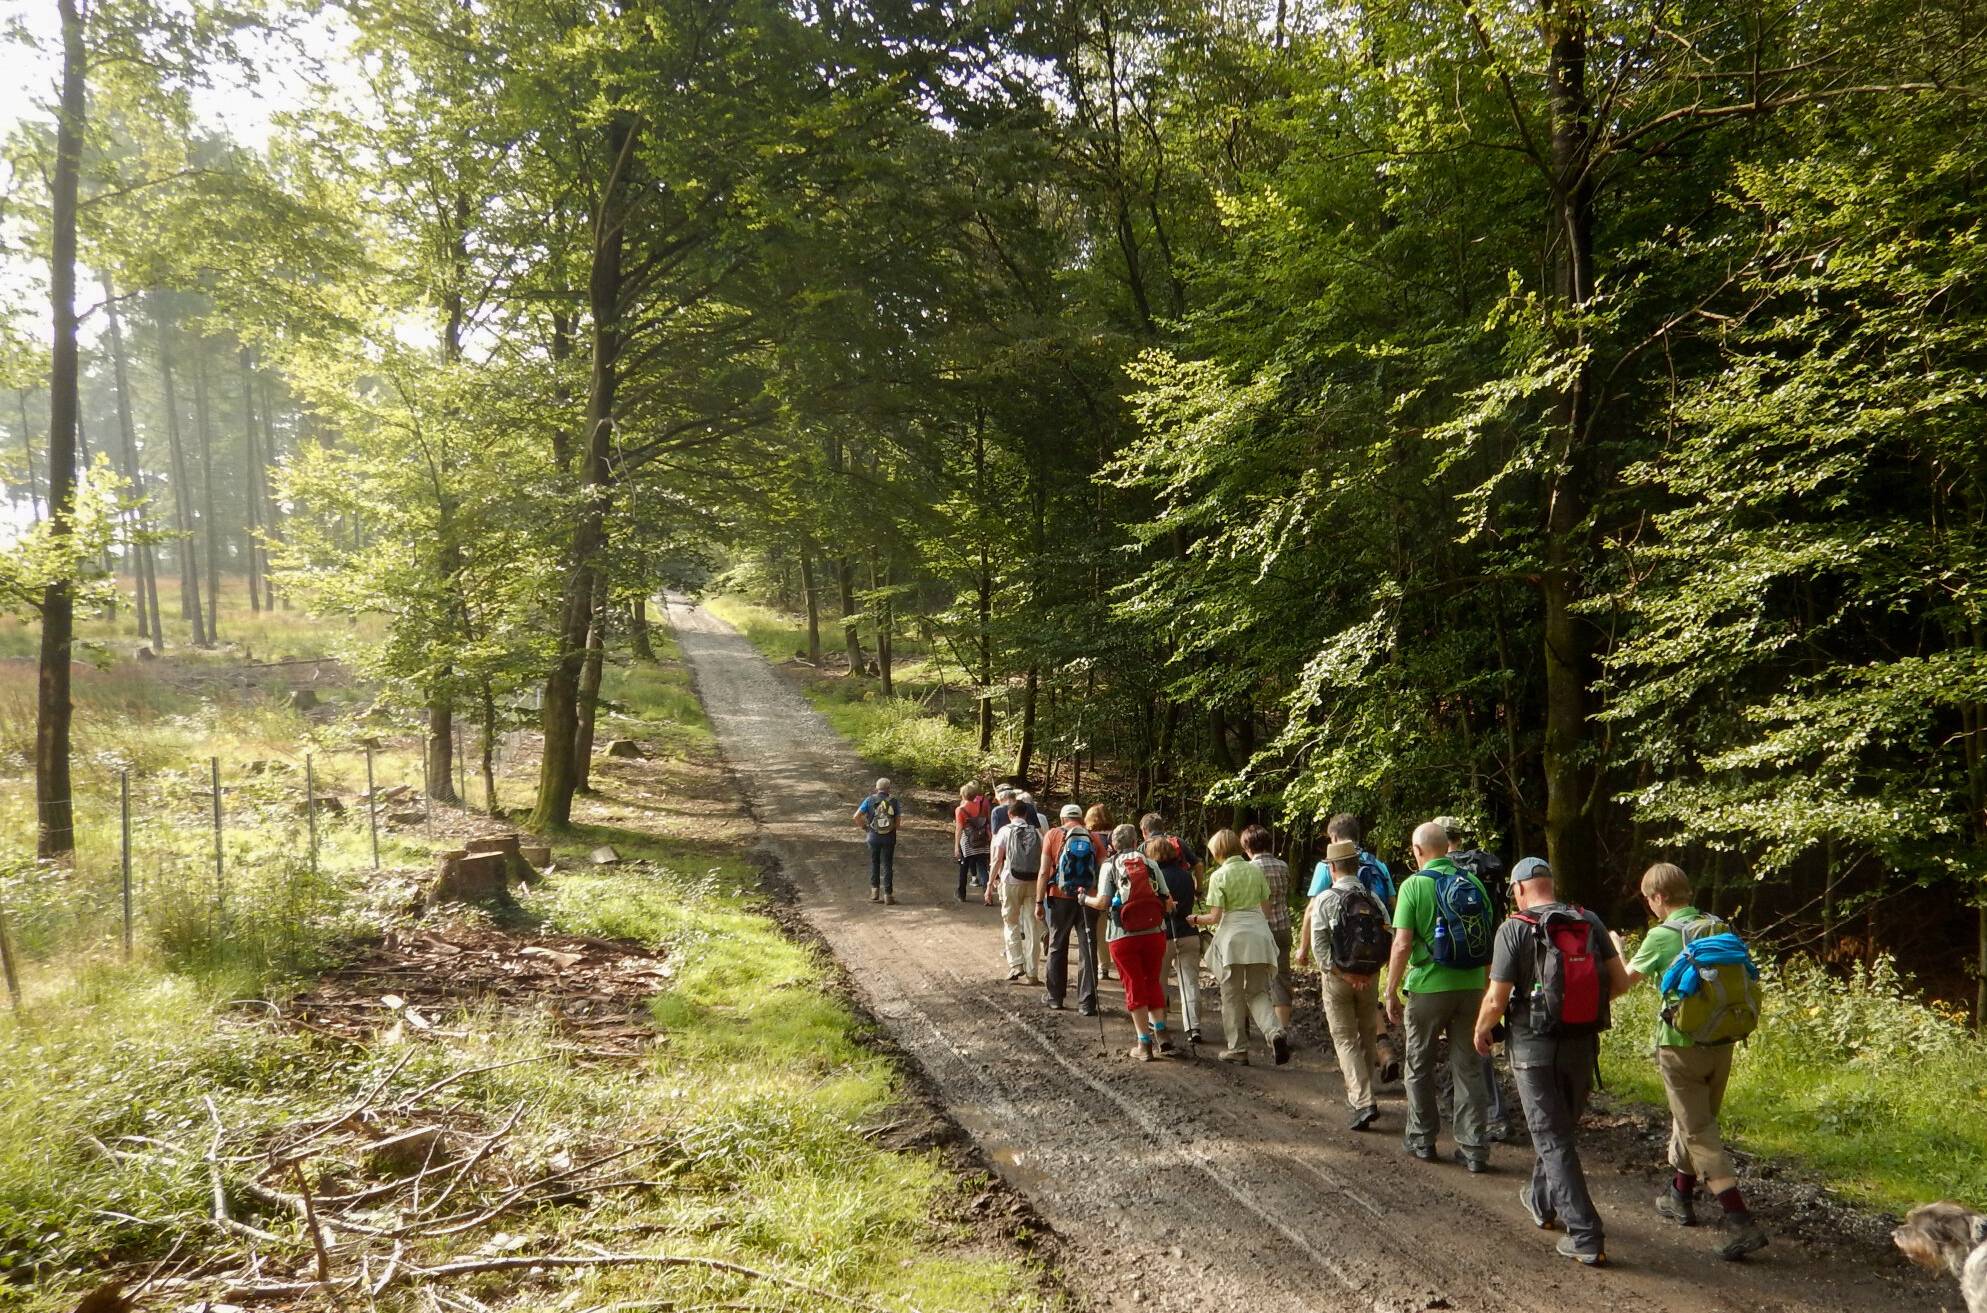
1570 416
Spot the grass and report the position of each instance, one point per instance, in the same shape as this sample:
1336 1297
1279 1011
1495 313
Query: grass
1860 1082
916 735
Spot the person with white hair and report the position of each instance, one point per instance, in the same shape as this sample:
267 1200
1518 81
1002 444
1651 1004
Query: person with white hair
878 816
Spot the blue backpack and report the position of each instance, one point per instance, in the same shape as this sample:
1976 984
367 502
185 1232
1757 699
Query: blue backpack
1076 868
1464 925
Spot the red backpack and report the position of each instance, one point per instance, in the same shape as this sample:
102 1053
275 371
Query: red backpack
1569 984
1139 905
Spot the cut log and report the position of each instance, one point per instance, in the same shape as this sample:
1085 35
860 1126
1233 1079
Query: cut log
626 748
391 792
514 864
537 856
465 877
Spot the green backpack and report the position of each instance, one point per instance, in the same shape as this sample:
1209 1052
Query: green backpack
1720 1003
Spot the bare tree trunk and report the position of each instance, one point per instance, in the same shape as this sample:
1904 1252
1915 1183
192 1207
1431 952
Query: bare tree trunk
879 582
144 564
811 590
440 749
182 511
589 699
983 582
1026 752
489 707
638 627
55 817
271 518
851 623
211 523
27 447
251 538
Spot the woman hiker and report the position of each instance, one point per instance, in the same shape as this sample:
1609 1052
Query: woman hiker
1131 896
1244 946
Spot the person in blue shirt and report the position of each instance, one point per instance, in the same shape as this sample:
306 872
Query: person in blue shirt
879 815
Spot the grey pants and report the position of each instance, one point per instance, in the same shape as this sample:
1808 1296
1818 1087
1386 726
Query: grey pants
1067 916
1553 1077
1430 1017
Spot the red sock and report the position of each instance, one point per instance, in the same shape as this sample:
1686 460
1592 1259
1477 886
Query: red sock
1729 1200
1684 1183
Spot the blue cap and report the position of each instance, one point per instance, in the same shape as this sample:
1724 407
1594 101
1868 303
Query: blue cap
1531 868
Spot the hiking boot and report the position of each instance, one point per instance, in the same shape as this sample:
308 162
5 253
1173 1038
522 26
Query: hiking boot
1365 1117
875 894
1280 1046
1543 1219
1390 1072
1570 1248
1143 1052
1498 1132
1424 1152
1086 1009
1034 979
1053 1004
1193 1035
1473 1165
1744 1235
1164 1046
962 895
1677 1206
890 899
1240 1057
1015 975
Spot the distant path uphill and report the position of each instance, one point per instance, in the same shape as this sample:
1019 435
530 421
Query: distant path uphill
1198 1186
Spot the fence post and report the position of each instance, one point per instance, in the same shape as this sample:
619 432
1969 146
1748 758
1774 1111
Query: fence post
124 810
310 807
220 873
372 805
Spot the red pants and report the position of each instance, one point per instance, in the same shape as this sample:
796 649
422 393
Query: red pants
1138 958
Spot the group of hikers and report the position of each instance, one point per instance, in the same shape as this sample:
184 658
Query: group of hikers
1438 967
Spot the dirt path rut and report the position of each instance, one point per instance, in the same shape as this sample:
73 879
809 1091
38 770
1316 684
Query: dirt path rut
1179 1185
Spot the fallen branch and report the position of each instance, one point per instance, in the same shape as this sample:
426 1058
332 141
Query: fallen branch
310 1221
447 1081
469 1164
514 1197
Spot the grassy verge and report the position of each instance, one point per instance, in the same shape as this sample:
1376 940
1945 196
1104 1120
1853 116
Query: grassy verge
1860 1082
921 736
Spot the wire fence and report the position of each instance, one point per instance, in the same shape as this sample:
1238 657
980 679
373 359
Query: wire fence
229 857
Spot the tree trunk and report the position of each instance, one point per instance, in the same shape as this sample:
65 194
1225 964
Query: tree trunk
879 582
558 775
440 749
1025 755
589 693
983 583
251 538
55 817
638 627
27 448
811 590
851 626
144 564
271 519
211 523
1569 778
182 511
488 701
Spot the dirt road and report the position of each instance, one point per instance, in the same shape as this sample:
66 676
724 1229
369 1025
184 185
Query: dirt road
1195 1185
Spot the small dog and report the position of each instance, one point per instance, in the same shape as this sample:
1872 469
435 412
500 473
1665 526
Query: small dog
1945 1236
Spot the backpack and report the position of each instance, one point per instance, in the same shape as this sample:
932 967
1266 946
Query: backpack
1464 926
1569 987
1362 936
1139 906
1711 992
1374 877
1024 848
1076 868
882 814
1489 870
977 833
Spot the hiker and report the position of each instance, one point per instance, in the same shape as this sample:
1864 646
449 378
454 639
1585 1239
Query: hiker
1131 893
1015 865
1377 880
1097 819
1553 973
1070 860
878 815
1237 895
972 837
1181 967
1694 1072
1276 873
1488 868
1442 942
1152 825
1350 938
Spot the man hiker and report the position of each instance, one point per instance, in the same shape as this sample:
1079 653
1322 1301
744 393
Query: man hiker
878 816
1553 973
1181 967
1442 942
1152 826
1488 868
972 837
1016 864
1256 845
1378 881
1694 1074
1350 938
1070 861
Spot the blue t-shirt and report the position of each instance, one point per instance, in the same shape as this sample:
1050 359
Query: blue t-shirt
1373 873
882 814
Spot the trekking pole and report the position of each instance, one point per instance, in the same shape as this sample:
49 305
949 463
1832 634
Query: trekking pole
1180 978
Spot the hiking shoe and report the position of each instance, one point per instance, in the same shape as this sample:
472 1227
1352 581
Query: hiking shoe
1543 1219
1570 1248
1390 1073
962 895
1165 1047
1193 1036
1086 1009
1365 1117
1424 1152
1280 1046
1143 1052
890 899
1053 1004
1677 1206
1034 979
1498 1132
1240 1057
1474 1166
1745 1236
875 895
1015 975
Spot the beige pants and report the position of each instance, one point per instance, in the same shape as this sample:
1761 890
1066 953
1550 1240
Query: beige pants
1351 1011
1181 971
1021 933
1694 1083
1245 991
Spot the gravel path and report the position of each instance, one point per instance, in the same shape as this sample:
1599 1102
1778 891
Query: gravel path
1194 1186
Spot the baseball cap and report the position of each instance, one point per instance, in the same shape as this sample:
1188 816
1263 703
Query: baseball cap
1531 868
1341 850
1072 812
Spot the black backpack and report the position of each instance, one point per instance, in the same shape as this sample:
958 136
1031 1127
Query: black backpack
1362 936
1489 870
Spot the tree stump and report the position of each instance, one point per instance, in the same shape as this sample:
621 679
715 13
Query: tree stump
626 748
506 845
537 856
466 877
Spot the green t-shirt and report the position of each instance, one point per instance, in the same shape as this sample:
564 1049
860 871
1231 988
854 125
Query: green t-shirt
1237 883
1659 948
1415 910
